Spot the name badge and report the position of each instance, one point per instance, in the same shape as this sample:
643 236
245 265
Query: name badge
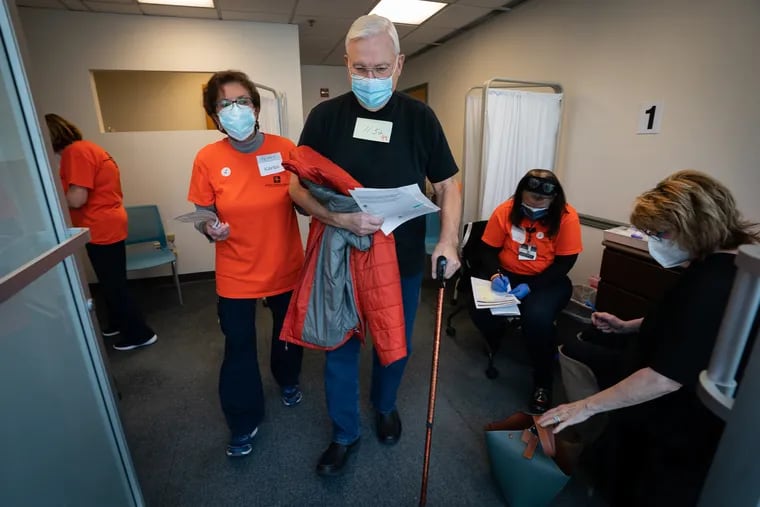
527 253
270 164
518 234
378 131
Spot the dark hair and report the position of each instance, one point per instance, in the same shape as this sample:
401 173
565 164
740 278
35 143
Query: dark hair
556 208
62 132
214 87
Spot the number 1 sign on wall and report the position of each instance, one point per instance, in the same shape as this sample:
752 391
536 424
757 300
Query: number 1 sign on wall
650 117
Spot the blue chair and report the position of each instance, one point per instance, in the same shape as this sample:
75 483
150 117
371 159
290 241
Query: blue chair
432 231
146 242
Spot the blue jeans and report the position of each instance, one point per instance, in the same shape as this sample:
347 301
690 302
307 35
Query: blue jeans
342 373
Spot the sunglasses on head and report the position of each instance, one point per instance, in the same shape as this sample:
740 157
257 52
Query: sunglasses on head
541 186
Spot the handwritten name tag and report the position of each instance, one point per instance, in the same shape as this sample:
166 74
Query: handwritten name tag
373 130
270 164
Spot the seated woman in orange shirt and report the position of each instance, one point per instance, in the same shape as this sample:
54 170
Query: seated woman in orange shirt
92 185
531 242
258 249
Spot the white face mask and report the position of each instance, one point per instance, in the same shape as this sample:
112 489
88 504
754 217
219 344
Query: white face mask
667 252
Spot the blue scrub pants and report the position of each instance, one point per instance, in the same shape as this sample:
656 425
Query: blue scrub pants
342 373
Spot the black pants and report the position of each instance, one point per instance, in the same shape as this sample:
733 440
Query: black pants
240 389
612 357
538 311
110 265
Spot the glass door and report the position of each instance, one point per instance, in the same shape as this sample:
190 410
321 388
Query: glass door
61 442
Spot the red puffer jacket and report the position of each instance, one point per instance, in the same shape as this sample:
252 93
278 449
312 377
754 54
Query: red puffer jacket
374 273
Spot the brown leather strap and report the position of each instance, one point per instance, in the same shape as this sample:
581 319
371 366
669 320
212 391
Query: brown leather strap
546 437
517 421
531 443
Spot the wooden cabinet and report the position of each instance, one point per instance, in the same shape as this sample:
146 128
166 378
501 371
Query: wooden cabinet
631 281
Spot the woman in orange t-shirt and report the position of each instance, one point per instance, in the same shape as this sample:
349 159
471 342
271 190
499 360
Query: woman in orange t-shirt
92 186
531 242
258 249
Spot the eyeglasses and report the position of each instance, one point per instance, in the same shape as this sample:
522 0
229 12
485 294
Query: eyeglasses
541 186
657 236
240 101
379 71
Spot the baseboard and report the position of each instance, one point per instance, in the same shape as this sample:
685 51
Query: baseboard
168 279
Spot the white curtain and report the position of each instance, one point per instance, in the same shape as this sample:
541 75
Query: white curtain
269 116
520 134
473 145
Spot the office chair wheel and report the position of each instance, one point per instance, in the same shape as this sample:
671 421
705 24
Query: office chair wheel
492 372
450 331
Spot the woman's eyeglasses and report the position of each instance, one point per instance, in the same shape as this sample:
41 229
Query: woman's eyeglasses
541 186
657 236
240 101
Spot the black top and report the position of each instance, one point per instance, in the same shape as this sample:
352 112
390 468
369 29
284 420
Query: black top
417 150
663 447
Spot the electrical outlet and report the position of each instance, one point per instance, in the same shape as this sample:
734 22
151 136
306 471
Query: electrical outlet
170 237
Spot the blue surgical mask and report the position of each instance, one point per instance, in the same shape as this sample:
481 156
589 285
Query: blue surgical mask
372 93
534 213
238 121
667 252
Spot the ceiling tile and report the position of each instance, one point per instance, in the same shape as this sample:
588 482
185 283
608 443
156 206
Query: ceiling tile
425 33
336 57
324 25
410 49
47 4
263 17
113 8
491 4
457 16
278 6
131 2
74 5
404 30
179 12
351 9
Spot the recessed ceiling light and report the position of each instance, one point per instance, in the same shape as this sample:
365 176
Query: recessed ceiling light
181 3
407 12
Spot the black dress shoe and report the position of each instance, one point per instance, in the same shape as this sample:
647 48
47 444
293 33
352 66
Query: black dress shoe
541 400
388 427
334 458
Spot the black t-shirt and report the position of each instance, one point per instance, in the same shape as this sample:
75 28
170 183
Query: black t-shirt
417 150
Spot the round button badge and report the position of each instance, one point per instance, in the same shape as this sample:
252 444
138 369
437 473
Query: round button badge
540 235
226 171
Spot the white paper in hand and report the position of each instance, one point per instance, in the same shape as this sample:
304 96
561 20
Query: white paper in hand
394 205
201 215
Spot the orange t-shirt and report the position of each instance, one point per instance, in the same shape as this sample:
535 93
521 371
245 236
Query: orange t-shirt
501 233
263 254
87 165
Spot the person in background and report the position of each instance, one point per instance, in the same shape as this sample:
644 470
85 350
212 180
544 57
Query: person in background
258 249
531 242
92 186
383 139
658 445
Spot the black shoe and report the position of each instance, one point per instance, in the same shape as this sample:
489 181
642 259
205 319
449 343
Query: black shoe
133 344
541 400
388 427
110 331
334 458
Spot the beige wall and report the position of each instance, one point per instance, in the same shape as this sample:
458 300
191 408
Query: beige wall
155 166
697 56
314 77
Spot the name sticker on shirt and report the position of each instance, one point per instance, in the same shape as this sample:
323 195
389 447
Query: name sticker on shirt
378 131
527 253
270 164
518 234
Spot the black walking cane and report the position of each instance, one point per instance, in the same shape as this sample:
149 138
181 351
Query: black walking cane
440 270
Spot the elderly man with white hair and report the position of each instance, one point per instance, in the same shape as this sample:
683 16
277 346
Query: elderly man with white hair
383 139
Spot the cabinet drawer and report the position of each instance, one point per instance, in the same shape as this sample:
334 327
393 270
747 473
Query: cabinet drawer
639 276
620 302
